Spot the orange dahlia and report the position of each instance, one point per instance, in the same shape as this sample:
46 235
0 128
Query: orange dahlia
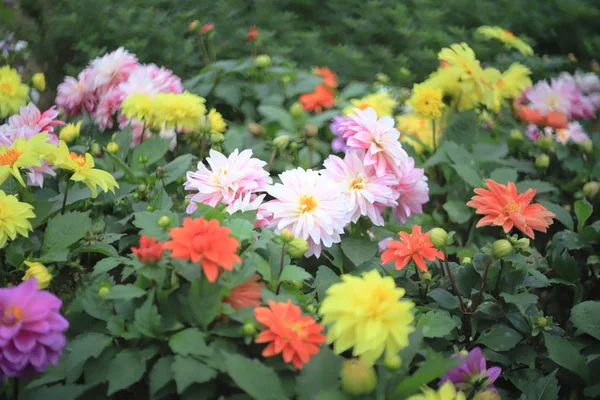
246 295
329 77
287 331
206 242
503 206
322 97
150 251
416 247
552 119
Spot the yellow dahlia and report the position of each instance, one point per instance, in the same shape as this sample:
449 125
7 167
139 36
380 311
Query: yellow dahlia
23 153
14 217
514 80
426 101
366 313
509 39
70 132
13 92
446 392
83 170
39 272
181 111
138 106
381 102
39 81
421 129
217 123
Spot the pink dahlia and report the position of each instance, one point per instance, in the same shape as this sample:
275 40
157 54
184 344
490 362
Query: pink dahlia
365 192
73 94
585 82
31 117
227 180
150 79
556 96
582 107
413 190
111 69
108 106
31 330
310 205
573 132
263 217
378 136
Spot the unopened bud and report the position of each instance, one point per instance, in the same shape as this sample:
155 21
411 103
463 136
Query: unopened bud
164 221
383 78
542 322
205 126
516 136
310 130
193 25
216 138
466 260
160 172
297 110
297 247
426 276
543 161
281 142
595 66
249 329
501 248
438 237
207 28
112 147
392 361
591 189
142 188
142 159
103 291
587 146
522 244
150 208
38 81
544 143
286 235
262 61
311 308
174 279
358 377
255 129
96 150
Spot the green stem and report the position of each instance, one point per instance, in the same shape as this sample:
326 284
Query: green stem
433 134
203 146
463 308
271 160
483 281
496 291
64 203
281 262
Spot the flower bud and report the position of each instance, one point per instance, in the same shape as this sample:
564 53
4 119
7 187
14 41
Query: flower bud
392 361
587 146
286 235
96 150
522 244
591 189
358 377
255 129
572 57
487 395
70 132
426 276
112 147
297 247
310 130
150 208
142 159
285 79
38 81
174 279
438 237
193 25
543 161
262 60
281 142
216 138
404 72
136 196
39 272
187 201
516 136
544 143
142 188
297 110
595 66
542 322
466 260
382 78
164 221
160 172
311 308
103 291
249 329
207 28
294 146
297 284
501 248
205 125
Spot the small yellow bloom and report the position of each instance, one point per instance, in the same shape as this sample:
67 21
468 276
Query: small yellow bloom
14 217
427 101
419 128
39 272
217 123
509 39
21 154
83 169
70 132
112 147
13 92
181 111
507 85
446 392
381 102
366 313
39 81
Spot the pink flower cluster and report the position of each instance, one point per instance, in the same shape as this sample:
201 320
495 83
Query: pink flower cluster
576 96
27 123
107 81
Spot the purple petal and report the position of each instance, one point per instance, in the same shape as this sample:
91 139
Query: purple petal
7 332
493 374
38 358
24 341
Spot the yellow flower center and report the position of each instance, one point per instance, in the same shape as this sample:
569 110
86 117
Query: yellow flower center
357 184
307 204
511 208
78 158
12 315
9 157
8 88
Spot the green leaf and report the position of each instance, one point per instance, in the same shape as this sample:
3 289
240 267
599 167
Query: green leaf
188 370
147 221
583 210
445 299
254 378
162 201
124 292
562 352
55 392
500 338
178 167
433 368
294 273
585 318
358 250
490 151
84 347
127 368
63 231
468 174
278 114
545 388
319 375
153 149
324 279
204 300
504 175
437 324
521 300
561 214
147 320
540 186
241 229
189 342
457 211
121 164
161 374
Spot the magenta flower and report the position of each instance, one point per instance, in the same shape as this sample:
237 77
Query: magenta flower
31 330
413 190
31 117
473 372
338 144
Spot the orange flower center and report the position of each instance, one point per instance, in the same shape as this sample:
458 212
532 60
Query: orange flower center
78 158
307 204
357 183
362 106
9 157
12 315
511 208
7 87
508 33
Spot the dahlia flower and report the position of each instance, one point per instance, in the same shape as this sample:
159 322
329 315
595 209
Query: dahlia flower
31 330
413 191
39 272
13 92
473 371
112 68
180 111
586 83
421 131
14 217
310 205
30 116
365 313
509 39
150 80
503 206
150 251
382 102
415 246
426 101
322 97
287 331
447 391
247 294
73 94
556 96
329 77
21 153
364 191
227 180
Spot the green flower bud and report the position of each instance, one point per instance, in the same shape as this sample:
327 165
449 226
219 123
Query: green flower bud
297 284
281 142
216 138
164 221
103 291
160 172
311 308
285 79
286 235
297 110
262 61
522 244
404 72
392 361
96 150
543 161
381 77
587 146
112 147
438 237
249 329
426 276
542 322
193 25
358 377
466 260
142 188
501 248
516 136
142 159
187 201
297 247
310 130
544 143
150 208
205 125
174 279
591 189
255 129
136 196
294 146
